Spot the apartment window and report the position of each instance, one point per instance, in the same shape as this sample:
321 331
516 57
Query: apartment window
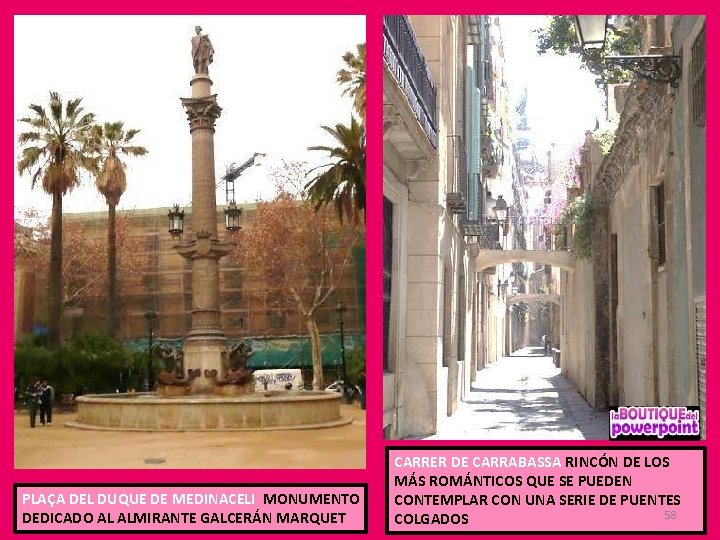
150 282
152 243
697 79
277 320
387 275
659 196
233 279
232 301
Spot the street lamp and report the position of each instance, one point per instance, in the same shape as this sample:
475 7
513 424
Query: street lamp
501 213
232 212
232 217
151 318
175 220
341 309
501 209
592 31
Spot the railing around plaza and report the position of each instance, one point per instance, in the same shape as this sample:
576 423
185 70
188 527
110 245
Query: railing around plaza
407 64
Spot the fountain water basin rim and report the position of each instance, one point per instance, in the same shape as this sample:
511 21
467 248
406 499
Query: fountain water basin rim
270 410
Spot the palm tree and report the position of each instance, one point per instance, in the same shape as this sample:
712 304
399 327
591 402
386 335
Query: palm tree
343 183
353 78
111 139
57 147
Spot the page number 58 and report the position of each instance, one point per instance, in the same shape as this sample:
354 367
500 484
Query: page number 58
670 514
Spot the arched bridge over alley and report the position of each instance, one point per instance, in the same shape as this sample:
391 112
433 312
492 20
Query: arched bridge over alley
487 258
529 298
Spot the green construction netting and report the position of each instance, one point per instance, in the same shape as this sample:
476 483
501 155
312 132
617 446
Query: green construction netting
281 352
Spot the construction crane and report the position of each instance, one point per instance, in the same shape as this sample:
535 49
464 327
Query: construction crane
233 171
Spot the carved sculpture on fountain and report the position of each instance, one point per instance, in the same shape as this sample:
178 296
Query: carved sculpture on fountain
235 366
172 372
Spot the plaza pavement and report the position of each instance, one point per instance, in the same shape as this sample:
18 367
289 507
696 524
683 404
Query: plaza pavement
60 447
524 398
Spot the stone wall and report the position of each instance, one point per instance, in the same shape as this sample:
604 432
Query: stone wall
577 338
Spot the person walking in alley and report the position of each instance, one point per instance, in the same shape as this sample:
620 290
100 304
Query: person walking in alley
46 399
34 397
546 344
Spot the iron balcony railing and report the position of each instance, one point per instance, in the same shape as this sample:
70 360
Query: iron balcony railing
407 64
487 234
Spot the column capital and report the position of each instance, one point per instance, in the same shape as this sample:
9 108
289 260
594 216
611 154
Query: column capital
202 111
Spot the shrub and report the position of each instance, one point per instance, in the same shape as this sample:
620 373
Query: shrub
605 139
355 366
580 214
88 363
32 362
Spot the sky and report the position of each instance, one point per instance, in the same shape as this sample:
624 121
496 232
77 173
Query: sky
274 77
563 101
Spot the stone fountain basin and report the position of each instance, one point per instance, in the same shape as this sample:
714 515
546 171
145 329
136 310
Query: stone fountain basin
272 410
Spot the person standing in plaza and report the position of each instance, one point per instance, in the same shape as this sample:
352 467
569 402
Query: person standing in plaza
34 396
46 406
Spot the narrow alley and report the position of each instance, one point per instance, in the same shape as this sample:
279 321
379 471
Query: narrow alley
541 185
522 397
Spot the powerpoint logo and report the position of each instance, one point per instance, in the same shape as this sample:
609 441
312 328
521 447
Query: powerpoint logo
633 423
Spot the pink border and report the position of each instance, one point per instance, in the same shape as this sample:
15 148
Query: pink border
374 10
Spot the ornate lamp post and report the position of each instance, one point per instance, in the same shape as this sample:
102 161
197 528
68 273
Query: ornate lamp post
341 309
232 217
175 220
151 318
591 32
232 212
501 209
501 213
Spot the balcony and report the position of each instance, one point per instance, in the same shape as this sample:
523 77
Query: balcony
407 65
487 234
455 202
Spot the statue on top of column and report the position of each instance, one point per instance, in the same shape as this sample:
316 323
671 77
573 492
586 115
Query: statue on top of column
202 52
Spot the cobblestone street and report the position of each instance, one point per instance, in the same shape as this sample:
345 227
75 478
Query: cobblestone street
524 397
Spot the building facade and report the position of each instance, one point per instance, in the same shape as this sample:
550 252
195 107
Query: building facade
445 166
646 278
162 281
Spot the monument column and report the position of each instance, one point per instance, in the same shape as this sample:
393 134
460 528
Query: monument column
205 343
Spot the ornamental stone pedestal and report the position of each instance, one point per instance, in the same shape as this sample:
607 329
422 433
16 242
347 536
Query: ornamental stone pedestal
205 345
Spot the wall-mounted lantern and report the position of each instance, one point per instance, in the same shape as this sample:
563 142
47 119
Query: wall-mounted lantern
592 31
